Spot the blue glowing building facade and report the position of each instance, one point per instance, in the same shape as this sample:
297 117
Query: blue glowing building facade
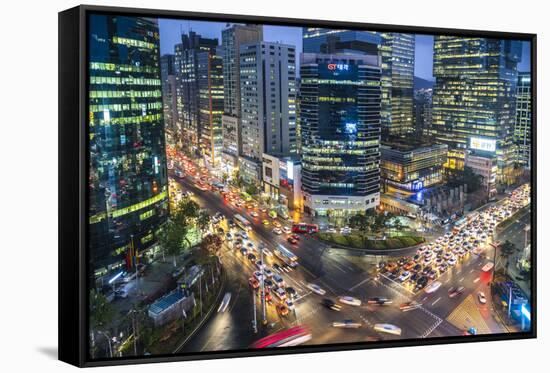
340 132
128 197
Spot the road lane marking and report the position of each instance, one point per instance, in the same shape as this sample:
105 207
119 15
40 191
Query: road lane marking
471 270
437 300
462 279
476 280
359 284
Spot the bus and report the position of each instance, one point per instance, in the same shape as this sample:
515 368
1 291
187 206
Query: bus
286 256
305 228
242 222
290 337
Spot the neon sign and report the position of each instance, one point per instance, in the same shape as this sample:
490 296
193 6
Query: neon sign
338 66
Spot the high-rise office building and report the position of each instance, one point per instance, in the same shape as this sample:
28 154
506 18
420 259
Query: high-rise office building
409 166
268 99
423 111
397 63
169 95
340 132
232 38
522 128
188 95
396 52
474 98
210 84
128 200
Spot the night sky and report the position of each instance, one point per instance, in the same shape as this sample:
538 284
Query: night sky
170 31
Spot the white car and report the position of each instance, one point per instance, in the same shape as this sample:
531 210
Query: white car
286 229
488 266
277 230
268 272
350 300
316 289
258 275
348 324
481 297
260 264
451 261
387 328
225 302
433 287
404 276
281 293
267 252
289 304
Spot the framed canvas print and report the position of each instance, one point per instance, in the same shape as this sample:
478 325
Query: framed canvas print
235 186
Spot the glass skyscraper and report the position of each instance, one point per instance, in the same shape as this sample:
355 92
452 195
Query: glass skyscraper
522 128
187 77
397 63
474 96
169 94
127 175
340 132
210 84
396 52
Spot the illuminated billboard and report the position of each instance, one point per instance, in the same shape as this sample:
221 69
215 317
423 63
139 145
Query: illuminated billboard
483 144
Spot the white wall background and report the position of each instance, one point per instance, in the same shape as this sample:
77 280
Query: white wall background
28 183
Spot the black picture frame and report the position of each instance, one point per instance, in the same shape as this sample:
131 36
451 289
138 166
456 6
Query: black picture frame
73 170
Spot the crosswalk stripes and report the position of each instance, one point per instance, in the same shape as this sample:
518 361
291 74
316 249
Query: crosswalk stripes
437 320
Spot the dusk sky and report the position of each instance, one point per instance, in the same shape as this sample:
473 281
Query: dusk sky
170 31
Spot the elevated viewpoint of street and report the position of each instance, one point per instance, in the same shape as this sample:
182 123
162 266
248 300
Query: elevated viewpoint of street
339 272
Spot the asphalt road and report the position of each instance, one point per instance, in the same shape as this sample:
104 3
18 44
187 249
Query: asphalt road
339 272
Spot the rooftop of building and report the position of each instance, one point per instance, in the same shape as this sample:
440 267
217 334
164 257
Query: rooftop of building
408 144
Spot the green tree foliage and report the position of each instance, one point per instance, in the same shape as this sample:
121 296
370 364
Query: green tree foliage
101 311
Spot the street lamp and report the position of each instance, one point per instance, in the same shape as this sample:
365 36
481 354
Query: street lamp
108 341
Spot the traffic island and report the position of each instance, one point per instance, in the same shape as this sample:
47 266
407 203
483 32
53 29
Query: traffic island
355 241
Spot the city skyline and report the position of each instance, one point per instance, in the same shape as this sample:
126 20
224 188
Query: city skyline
171 29
246 195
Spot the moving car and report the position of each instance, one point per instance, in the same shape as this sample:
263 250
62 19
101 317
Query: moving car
254 283
289 304
225 302
330 304
379 301
292 293
277 230
278 280
286 229
453 292
282 309
346 299
292 240
487 267
280 293
387 328
316 289
433 287
481 297
404 276
348 324
409 306
258 275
